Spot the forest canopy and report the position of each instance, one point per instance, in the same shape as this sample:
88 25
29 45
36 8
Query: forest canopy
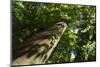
78 43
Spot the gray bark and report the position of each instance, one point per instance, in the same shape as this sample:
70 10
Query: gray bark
38 48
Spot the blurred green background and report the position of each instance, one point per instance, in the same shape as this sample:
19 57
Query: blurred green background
78 43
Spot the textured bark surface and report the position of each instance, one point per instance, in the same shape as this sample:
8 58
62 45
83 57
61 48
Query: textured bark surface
38 48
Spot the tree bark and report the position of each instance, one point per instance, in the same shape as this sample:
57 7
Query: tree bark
38 48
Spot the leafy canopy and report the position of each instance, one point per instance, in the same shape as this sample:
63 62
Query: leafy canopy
78 44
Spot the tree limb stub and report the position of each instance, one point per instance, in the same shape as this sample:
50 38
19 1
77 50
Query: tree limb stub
38 48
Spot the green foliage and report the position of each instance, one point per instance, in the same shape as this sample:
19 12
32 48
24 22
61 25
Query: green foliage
78 44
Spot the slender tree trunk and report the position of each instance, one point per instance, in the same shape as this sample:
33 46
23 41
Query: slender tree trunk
38 48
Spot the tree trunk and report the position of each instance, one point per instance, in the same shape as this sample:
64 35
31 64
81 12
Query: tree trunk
38 48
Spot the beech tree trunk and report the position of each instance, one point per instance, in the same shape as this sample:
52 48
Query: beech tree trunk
38 48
